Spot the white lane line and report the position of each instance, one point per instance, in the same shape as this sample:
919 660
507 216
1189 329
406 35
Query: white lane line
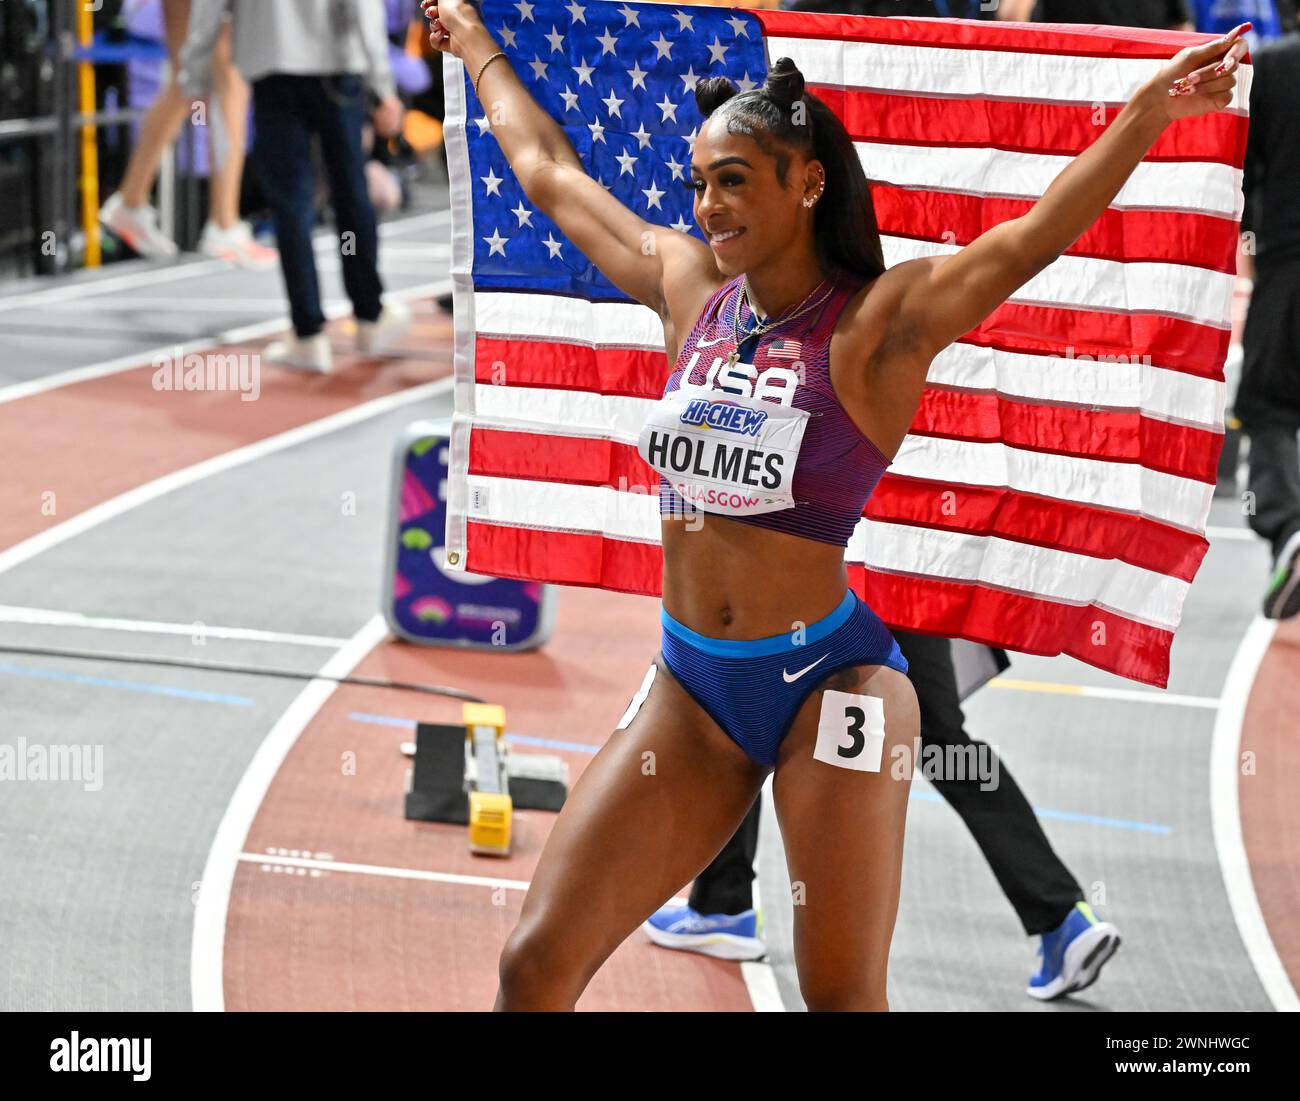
172 273
759 976
197 305
330 865
1129 695
1225 816
241 335
46 617
760 982
219 464
207 949
382 870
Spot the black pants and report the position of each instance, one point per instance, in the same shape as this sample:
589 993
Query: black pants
1275 483
1036 883
288 111
1268 402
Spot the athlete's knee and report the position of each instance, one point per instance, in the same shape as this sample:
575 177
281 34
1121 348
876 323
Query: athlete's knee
534 971
841 993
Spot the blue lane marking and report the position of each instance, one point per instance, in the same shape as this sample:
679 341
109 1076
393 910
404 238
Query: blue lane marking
551 743
128 685
513 739
382 720
1070 816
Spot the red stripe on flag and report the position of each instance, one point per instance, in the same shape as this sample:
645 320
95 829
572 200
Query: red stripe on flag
558 365
565 558
1058 129
1012 621
1016 622
1081 40
1126 437
567 460
1153 236
1170 342
1040 521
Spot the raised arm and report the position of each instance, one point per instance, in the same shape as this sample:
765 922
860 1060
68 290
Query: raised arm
631 252
938 299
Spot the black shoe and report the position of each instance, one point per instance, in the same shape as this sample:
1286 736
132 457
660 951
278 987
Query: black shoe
1283 598
444 300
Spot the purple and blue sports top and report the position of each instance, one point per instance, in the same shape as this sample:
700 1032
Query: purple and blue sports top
764 441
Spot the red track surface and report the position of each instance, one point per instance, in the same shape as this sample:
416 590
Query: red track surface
350 941
1270 810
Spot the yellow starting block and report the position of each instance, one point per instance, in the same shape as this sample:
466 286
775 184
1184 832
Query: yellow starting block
490 806
465 774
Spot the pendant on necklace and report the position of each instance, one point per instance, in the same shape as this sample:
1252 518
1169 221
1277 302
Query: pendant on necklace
734 358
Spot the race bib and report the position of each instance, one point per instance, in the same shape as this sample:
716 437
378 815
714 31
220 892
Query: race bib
723 452
851 731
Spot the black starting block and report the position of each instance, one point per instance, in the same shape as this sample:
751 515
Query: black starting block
467 775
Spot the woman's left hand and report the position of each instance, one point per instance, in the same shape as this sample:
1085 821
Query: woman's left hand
1201 79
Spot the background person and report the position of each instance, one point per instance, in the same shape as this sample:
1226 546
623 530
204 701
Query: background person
128 214
312 65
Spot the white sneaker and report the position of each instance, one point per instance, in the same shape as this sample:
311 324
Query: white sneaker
310 354
137 226
238 246
374 337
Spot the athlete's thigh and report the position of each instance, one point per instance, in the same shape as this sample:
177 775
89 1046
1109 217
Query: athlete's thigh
843 833
655 805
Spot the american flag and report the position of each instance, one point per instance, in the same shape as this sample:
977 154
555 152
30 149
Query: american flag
785 349
1052 495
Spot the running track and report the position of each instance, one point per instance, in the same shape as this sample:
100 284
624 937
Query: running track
248 849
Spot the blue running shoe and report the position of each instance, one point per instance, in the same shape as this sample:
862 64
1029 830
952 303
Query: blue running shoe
1073 954
723 936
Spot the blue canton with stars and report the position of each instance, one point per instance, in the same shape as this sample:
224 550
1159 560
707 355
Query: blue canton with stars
620 79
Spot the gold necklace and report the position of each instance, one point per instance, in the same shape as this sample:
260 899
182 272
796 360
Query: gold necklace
767 327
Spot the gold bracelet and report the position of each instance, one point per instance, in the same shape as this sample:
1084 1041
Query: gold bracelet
499 53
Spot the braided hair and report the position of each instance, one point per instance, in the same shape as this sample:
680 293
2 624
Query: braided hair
784 119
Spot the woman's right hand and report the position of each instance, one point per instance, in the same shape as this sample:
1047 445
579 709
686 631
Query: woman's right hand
451 21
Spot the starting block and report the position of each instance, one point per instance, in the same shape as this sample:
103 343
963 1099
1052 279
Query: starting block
467 775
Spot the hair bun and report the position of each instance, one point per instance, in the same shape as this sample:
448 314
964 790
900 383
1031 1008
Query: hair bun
712 92
785 83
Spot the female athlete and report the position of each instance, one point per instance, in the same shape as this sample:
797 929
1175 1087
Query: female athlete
798 363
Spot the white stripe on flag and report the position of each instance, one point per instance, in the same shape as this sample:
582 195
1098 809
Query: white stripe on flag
1165 395
1123 487
992 73
1085 283
1130 591
1198 186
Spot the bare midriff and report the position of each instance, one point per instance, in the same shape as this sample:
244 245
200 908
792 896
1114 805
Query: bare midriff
731 580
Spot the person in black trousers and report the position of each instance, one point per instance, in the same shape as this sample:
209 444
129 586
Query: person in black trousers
719 919
319 70
1268 397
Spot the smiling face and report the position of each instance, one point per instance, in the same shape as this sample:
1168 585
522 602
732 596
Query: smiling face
746 214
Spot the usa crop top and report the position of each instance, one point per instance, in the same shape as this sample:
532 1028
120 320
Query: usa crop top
764 441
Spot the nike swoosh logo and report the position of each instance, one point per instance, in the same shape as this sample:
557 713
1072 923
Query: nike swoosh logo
710 343
791 679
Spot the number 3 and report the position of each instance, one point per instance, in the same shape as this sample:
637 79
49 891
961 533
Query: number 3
857 718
